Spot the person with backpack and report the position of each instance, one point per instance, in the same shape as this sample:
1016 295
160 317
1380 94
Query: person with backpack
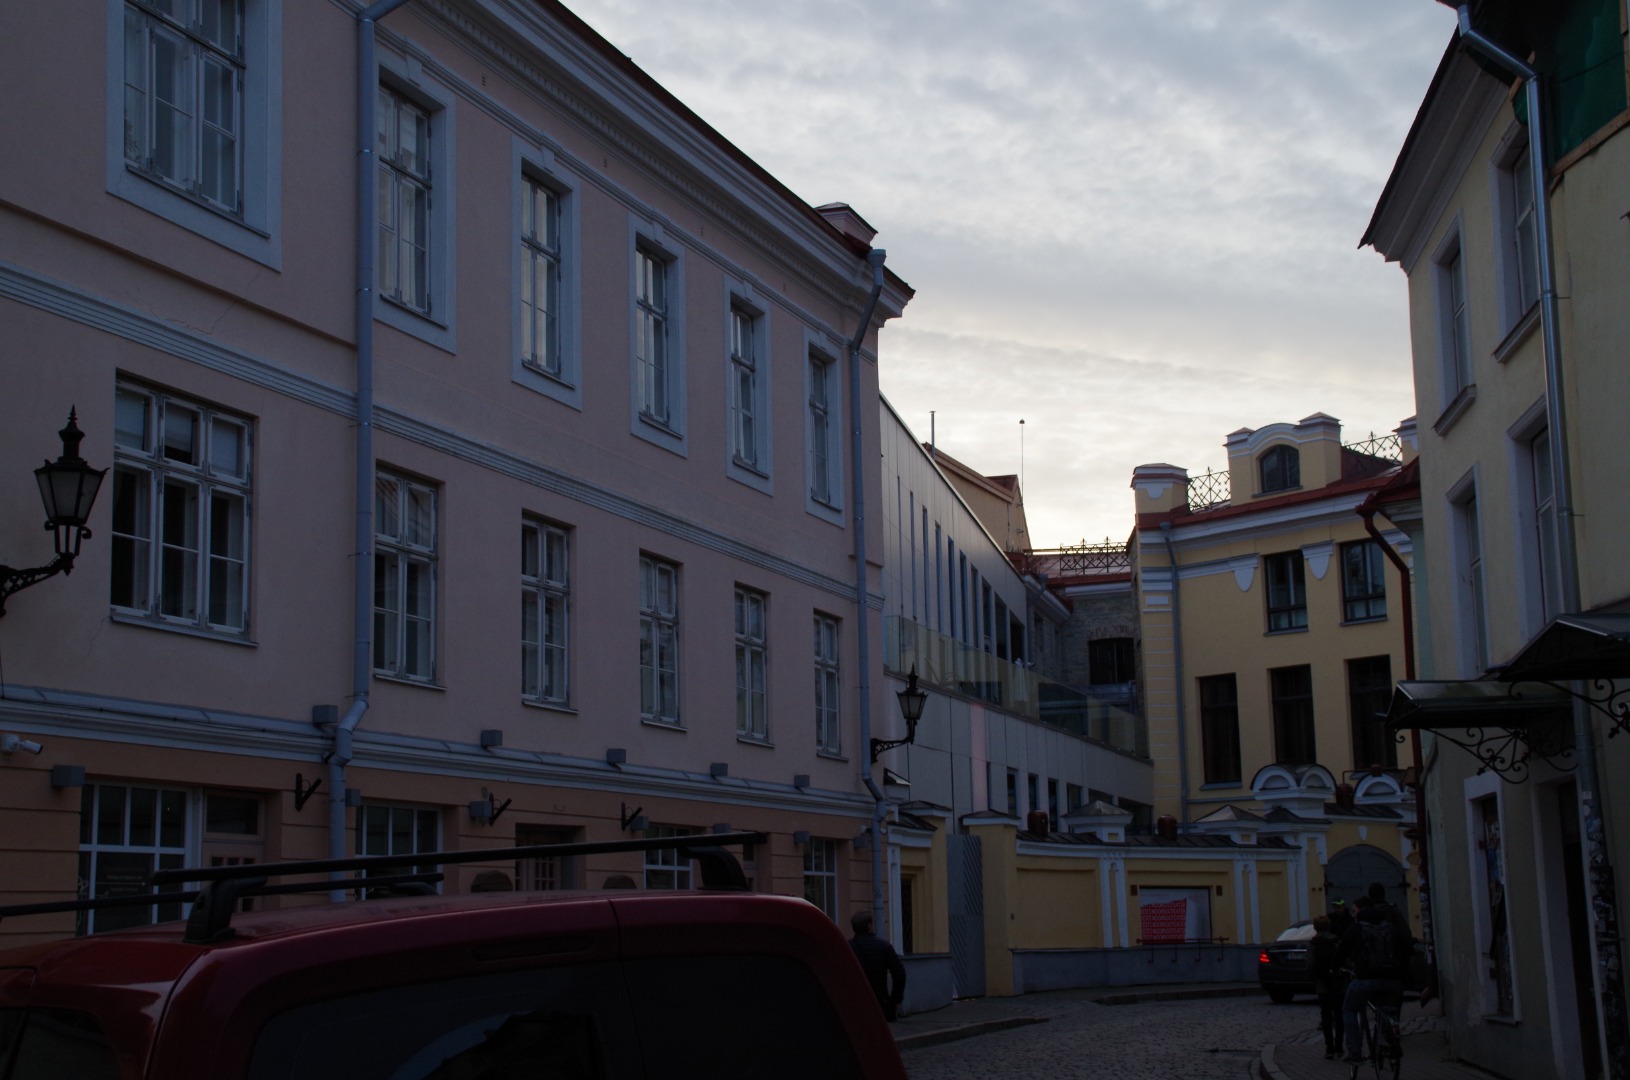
1378 946
1329 982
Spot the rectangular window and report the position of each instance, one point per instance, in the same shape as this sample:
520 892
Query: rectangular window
541 346
403 148
666 868
545 610
744 406
1473 608
1293 742
384 829
126 832
183 96
1219 728
1363 581
1052 805
1287 592
404 577
821 875
1369 693
752 651
823 480
180 538
1542 507
659 641
1523 235
651 336
1454 324
546 873
828 687
1013 792
1109 661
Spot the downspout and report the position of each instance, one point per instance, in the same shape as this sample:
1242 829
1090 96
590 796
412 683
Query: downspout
857 472
1367 510
1604 928
1177 668
362 570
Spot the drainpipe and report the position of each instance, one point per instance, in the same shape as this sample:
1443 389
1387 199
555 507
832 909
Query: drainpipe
363 555
1177 668
1610 1000
857 472
1367 510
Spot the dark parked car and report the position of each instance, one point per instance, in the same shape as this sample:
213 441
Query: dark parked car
1285 967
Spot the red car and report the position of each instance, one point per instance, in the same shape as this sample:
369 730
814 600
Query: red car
575 986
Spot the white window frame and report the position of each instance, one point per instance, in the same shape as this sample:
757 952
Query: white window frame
1476 790
214 586
545 612
1286 458
823 431
1470 584
1535 523
397 555
668 868
821 875
535 166
657 414
252 228
1295 586
748 378
1456 376
435 322
1515 228
752 620
159 855
1373 573
656 617
828 685
420 818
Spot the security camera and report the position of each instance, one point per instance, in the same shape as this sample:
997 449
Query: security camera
12 743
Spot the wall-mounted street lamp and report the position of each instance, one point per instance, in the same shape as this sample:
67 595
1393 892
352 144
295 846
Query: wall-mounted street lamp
912 701
68 488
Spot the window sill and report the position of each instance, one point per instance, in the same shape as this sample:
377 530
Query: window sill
1503 1019
126 618
1222 785
1518 334
1290 630
403 680
1277 491
1455 409
549 706
665 725
1364 621
753 740
832 755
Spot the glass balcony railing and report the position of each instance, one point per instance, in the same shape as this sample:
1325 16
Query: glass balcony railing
946 664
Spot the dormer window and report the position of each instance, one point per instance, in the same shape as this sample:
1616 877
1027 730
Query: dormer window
1281 469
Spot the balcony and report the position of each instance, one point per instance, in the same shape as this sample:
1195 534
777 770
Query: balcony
947 665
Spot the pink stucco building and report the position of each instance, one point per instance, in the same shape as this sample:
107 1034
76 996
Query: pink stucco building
588 365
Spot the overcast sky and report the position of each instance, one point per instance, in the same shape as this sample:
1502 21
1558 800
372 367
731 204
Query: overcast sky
1132 224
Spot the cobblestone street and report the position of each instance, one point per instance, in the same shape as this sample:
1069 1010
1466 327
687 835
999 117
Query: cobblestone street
1203 1039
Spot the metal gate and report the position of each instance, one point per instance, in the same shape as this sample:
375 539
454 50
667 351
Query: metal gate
966 889
1350 871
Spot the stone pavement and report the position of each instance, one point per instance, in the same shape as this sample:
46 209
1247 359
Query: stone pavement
1426 1052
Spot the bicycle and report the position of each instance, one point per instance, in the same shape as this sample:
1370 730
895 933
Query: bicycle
1383 1043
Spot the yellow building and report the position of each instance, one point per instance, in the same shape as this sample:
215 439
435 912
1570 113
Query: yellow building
1506 210
1271 635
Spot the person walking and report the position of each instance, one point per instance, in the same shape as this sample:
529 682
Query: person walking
880 963
1328 982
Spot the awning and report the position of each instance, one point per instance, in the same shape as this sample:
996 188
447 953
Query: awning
1504 726
1574 647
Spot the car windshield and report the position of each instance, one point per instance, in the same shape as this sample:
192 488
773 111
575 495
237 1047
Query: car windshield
1299 932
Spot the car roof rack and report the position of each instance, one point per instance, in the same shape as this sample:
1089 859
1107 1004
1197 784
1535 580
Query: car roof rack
223 886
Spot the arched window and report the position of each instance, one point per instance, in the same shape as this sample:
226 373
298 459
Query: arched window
1281 468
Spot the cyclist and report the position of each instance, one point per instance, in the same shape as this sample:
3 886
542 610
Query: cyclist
1378 945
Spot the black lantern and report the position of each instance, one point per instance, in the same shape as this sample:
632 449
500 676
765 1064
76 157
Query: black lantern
68 489
912 700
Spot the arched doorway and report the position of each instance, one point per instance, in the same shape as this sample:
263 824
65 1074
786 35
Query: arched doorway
1348 875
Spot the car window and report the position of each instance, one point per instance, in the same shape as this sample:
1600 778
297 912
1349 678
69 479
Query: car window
1299 932
49 1044
562 1023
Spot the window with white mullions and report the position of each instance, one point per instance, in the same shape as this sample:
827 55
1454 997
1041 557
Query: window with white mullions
1287 591
1363 582
545 593
667 868
651 336
403 147
744 389
404 577
540 278
659 641
180 511
183 96
828 686
821 433
752 648
125 833
1524 231
384 829
821 875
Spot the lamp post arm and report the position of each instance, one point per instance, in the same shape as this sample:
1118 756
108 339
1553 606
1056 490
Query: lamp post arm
12 581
